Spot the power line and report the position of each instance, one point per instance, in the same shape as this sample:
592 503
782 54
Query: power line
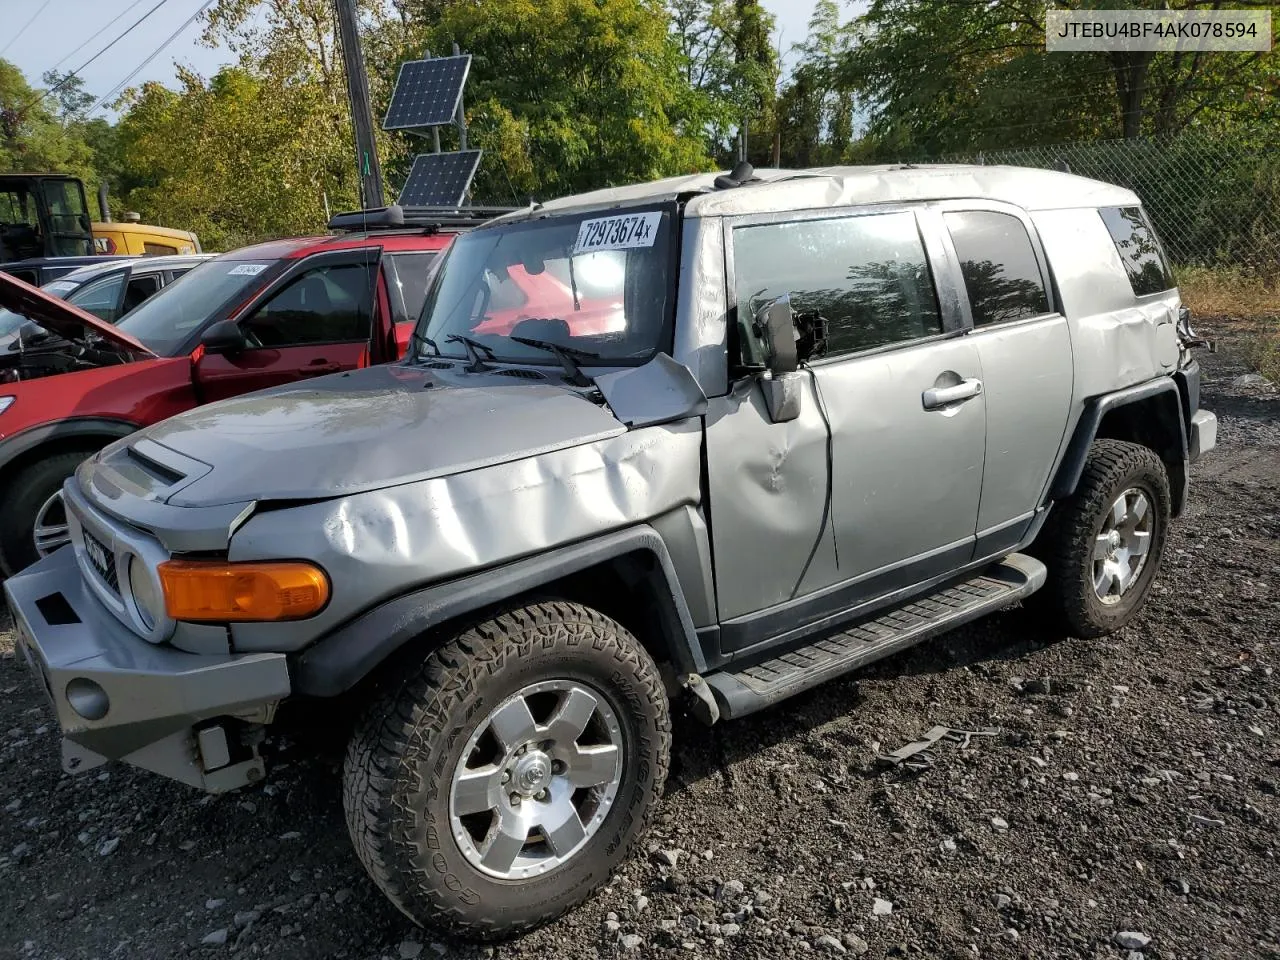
76 72
14 38
128 30
94 36
155 53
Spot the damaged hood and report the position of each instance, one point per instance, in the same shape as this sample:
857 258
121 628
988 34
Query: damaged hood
364 430
67 321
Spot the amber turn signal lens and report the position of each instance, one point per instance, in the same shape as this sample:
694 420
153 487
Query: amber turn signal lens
204 591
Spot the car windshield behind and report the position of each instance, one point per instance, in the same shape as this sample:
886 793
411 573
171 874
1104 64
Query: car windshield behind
595 283
165 321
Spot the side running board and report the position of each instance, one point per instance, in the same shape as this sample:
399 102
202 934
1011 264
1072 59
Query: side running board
764 684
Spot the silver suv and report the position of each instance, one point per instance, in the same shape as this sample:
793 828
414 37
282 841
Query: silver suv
716 438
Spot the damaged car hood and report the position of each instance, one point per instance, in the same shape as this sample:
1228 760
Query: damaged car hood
364 430
67 321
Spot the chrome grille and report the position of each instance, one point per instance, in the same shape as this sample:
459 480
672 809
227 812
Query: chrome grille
102 559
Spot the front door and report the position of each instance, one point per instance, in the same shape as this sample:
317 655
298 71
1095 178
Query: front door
317 320
900 390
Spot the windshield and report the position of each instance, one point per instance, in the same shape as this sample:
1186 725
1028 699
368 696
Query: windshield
165 321
600 284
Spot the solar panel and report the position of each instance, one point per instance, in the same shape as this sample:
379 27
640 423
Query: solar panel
439 179
427 92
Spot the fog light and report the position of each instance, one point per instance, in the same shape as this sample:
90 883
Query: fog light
87 698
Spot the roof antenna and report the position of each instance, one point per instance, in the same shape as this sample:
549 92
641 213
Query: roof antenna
740 174
1063 165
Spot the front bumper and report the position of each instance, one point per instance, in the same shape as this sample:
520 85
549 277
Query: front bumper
118 697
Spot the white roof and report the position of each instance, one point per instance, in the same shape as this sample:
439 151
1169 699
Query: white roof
140 264
782 190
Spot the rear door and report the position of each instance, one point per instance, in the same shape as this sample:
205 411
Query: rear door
317 319
1024 345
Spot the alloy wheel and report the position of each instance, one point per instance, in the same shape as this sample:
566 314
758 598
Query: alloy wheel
536 780
51 530
1122 545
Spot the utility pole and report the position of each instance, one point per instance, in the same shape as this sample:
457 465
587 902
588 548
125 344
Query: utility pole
367 167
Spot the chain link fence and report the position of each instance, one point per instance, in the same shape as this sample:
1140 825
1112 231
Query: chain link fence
1214 201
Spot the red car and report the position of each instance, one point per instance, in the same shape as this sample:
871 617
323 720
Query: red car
260 316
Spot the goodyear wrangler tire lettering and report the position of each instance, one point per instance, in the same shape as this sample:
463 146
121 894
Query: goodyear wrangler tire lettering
402 766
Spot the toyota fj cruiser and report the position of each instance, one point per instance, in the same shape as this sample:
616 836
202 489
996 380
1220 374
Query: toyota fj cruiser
743 434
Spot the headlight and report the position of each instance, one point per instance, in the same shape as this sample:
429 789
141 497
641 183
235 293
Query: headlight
146 594
4 403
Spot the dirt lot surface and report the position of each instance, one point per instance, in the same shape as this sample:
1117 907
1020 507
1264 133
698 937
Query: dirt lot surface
1127 806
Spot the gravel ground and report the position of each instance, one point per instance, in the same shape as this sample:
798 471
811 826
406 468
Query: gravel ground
1126 807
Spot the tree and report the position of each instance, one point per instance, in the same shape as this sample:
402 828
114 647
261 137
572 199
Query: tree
755 72
68 92
955 77
238 158
32 137
569 95
815 108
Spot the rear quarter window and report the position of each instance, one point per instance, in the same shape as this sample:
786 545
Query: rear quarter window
1001 274
412 272
1140 251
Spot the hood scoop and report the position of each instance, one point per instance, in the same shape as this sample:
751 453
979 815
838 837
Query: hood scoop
144 469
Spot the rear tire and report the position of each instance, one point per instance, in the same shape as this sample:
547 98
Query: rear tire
1103 546
26 494
458 779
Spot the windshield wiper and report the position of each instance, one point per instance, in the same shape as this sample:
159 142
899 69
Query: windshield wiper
473 348
421 340
568 357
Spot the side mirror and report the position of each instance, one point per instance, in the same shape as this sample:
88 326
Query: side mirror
225 336
775 325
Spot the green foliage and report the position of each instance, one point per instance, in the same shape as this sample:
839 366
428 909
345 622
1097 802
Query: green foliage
570 95
816 107
235 159
33 138
567 95
945 78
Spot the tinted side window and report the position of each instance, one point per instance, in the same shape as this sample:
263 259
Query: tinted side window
324 305
1139 249
866 276
138 290
999 266
102 298
412 271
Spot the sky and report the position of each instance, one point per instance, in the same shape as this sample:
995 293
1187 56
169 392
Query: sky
59 26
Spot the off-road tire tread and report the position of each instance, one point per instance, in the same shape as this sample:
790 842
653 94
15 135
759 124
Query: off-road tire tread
1070 530
382 740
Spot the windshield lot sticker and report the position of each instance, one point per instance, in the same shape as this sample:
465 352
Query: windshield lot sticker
246 270
618 233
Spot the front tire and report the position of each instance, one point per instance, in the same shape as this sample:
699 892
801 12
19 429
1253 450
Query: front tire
34 521
1104 545
501 782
